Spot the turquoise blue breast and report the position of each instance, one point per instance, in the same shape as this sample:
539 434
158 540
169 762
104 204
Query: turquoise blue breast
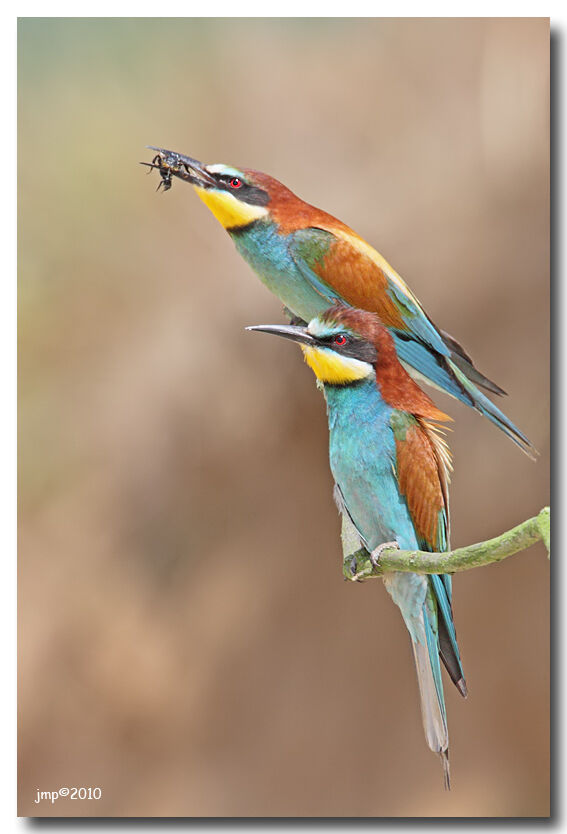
267 253
362 454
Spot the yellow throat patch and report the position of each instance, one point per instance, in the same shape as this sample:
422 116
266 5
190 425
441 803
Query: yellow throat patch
228 209
334 369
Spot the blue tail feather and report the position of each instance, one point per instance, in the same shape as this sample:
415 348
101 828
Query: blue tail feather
433 650
487 408
443 373
448 647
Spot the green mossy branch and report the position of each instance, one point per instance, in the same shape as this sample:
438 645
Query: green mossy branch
358 566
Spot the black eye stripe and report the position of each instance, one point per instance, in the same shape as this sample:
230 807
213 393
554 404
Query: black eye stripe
353 347
246 193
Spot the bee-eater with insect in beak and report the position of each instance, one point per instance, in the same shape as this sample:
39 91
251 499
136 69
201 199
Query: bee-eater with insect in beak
311 260
391 471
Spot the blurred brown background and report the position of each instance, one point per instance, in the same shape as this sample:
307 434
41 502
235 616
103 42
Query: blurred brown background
187 642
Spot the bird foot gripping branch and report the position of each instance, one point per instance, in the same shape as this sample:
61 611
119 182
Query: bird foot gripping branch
372 568
377 552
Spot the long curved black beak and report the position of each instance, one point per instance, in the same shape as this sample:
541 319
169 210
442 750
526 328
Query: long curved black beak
172 163
288 331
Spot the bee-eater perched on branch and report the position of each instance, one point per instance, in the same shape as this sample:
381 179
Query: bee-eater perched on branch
310 260
391 470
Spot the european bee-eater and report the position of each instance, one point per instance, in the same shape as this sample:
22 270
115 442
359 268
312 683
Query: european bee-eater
391 470
310 260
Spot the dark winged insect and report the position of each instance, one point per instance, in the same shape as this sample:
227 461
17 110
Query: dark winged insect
165 171
167 165
172 164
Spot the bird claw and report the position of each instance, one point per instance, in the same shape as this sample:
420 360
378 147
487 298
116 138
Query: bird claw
368 572
377 552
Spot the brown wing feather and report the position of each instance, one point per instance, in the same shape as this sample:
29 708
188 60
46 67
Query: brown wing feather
359 281
423 468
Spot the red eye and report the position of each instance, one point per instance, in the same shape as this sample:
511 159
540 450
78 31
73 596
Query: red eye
235 182
340 339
